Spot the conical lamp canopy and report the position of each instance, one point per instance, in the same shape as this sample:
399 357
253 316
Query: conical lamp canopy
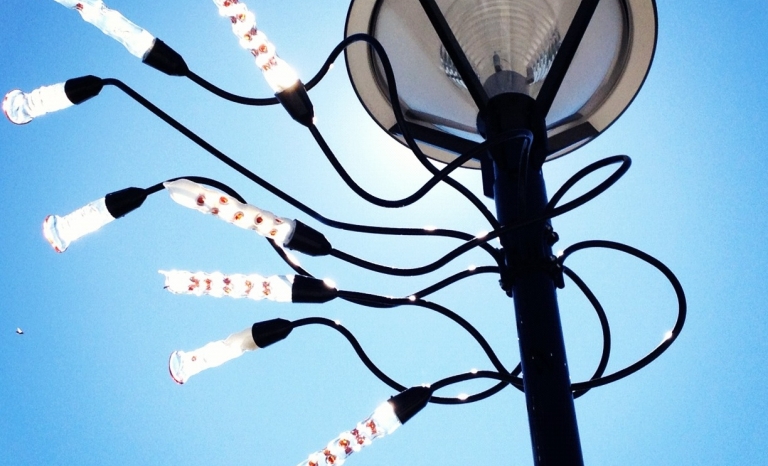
510 46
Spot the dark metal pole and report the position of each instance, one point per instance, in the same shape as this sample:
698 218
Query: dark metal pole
520 194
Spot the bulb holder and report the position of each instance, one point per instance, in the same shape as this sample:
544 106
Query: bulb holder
296 102
124 201
163 58
311 290
409 402
80 89
270 331
309 241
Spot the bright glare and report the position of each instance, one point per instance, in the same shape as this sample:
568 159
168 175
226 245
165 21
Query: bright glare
481 234
472 268
668 335
330 283
411 298
463 396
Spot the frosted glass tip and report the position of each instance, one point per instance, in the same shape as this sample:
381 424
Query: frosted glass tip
205 200
21 108
382 422
138 41
275 288
62 231
183 365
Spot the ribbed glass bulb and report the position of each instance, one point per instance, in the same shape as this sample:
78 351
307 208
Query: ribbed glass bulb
510 43
184 364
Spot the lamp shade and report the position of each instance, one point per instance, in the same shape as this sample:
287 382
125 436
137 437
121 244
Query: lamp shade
510 46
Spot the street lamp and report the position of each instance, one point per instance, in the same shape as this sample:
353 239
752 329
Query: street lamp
562 70
501 85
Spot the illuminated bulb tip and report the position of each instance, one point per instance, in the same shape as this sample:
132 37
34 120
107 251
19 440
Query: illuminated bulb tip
20 108
183 365
60 232
463 396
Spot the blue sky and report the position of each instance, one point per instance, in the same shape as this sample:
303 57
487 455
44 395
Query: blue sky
88 384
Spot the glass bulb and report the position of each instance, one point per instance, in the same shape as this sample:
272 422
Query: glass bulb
275 288
205 200
138 41
382 422
279 75
183 365
62 231
21 107
510 44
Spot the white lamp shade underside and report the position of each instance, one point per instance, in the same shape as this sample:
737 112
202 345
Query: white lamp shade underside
605 75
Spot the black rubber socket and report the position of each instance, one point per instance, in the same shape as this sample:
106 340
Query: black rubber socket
79 90
311 290
121 202
270 331
309 241
409 402
162 57
296 102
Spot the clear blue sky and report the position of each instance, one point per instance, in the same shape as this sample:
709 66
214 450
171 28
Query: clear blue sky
88 384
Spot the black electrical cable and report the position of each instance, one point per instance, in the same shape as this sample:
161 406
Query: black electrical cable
606 329
276 191
453 279
428 186
382 301
550 212
229 96
400 118
397 386
626 162
669 338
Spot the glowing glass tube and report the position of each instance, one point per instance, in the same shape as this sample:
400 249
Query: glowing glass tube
382 422
208 201
21 107
275 288
279 75
138 41
62 231
183 365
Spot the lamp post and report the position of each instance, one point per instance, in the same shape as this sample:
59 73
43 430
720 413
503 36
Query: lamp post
506 63
500 85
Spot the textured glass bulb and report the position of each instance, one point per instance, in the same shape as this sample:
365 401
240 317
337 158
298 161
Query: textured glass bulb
279 75
183 365
138 41
208 201
62 231
22 107
509 43
275 288
382 422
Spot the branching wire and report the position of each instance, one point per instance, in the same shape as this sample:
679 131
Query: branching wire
278 192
